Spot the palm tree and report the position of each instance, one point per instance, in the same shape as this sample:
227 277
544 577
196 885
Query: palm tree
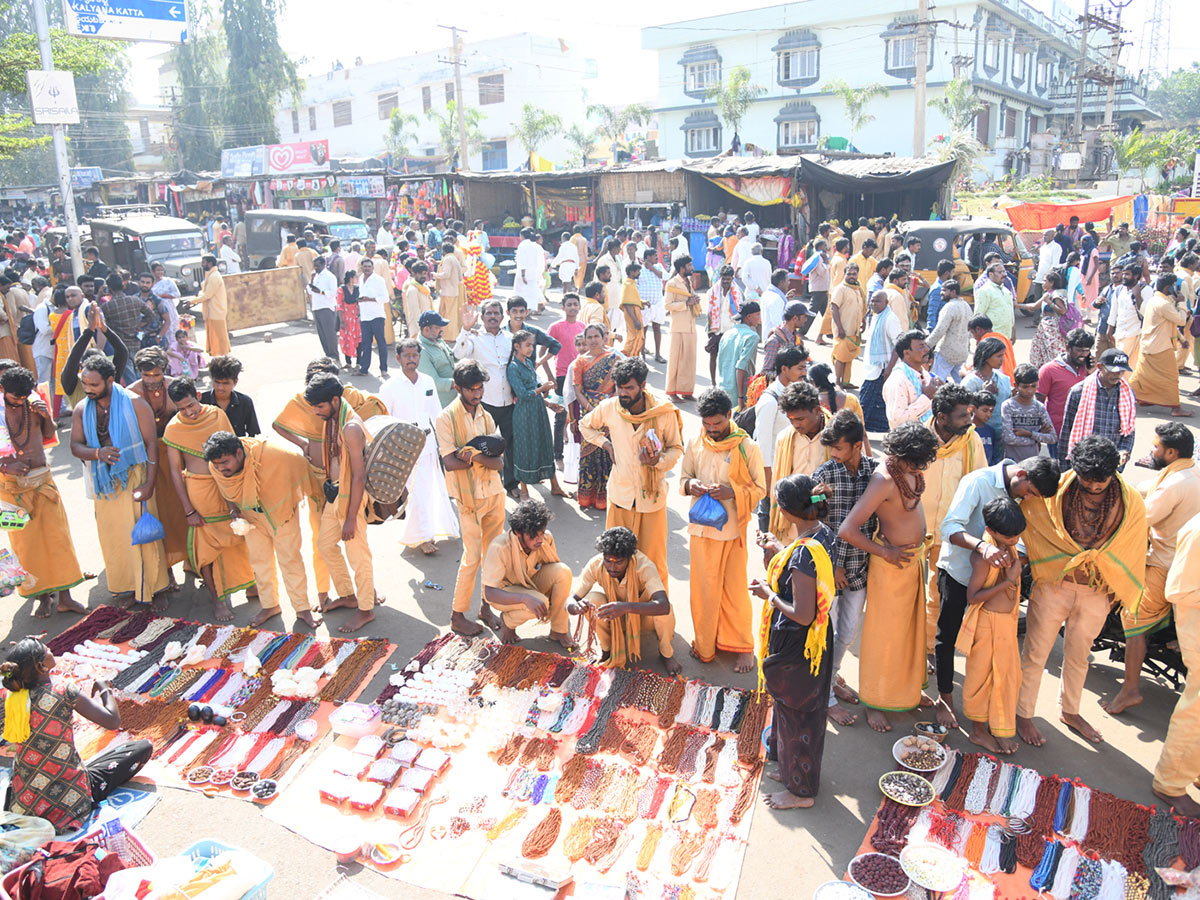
401 134
959 103
582 140
615 121
1131 152
733 98
447 128
535 128
855 101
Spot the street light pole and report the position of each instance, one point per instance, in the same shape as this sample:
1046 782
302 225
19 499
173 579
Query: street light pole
41 25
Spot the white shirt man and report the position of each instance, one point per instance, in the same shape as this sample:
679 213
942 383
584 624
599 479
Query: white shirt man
384 239
229 256
679 249
756 273
773 303
1125 321
1049 255
491 351
324 289
741 255
752 231
372 295
531 268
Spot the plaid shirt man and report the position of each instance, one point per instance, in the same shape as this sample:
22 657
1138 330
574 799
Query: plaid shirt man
127 315
1107 422
848 488
773 344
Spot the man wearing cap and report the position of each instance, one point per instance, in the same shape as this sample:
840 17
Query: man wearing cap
735 354
796 317
1103 404
323 288
437 357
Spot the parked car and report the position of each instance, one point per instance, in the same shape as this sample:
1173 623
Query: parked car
133 237
266 230
962 241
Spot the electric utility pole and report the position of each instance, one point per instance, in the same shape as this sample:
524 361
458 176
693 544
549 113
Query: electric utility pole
460 106
41 27
1080 72
922 62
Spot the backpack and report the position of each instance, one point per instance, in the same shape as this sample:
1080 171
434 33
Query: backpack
27 330
746 419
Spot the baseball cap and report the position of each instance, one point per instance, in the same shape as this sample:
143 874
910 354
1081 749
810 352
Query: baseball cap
1115 361
795 308
749 308
429 317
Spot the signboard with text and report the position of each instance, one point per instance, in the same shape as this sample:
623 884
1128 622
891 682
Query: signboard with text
128 20
361 186
83 177
52 97
244 162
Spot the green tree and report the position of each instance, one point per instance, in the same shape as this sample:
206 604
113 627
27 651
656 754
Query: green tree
958 103
1178 95
614 121
1132 152
197 104
400 136
16 136
447 128
733 98
582 140
535 128
102 137
259 72
855 101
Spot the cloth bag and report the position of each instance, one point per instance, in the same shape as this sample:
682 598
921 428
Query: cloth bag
147 529
709 512
20 836
571 451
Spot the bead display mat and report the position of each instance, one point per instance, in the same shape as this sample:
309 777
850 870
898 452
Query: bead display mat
472 789
90 738
1003 885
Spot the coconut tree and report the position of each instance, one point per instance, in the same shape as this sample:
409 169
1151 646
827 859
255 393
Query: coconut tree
535 128
614 121
733 98
855 100
582 140
447 129
958 103
1131 152
401 135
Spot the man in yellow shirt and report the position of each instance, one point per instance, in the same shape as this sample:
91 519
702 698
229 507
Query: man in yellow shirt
643 434
593 312
581 247
524 578
287 256
417 298
449 278
725 464
621 587
861 235
1155 379
214 307
473 480
866 261
304 257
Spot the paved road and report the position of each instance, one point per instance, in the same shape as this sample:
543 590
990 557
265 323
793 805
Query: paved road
790 853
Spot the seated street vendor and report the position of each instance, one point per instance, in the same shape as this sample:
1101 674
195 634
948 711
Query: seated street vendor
48 778
620 584
524 579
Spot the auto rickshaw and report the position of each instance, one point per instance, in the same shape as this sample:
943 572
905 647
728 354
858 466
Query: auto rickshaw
962 240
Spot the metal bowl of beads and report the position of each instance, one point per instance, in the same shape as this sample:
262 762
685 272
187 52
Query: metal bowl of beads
932 867
921 754
222 777
200 775
243 781
906 788
840 890
878 874
264 790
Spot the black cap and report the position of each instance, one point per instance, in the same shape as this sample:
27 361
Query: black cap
429 317
795 308
1115 361
749 308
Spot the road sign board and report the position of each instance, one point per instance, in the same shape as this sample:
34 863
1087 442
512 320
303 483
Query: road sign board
128 20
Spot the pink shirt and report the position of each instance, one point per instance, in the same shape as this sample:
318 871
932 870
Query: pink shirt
564 332
1055 381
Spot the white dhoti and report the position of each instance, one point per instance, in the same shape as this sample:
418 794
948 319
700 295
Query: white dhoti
429 515
566 275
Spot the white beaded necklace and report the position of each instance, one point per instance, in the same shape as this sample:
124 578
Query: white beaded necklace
977 793
1065 874
1079 820
1003 783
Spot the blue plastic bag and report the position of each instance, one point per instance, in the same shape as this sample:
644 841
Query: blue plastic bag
147 529
707 511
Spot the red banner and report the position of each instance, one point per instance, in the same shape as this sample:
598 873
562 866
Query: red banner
1036 216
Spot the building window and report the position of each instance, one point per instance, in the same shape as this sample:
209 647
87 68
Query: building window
701 76
312 118
341 113
797 64
991 53
491 89
1009 125
802 133
426 99
902 53
449 92
703 140
388 103
495 155
295 121
1035 125
431 151
983 125
1043 72
1020 61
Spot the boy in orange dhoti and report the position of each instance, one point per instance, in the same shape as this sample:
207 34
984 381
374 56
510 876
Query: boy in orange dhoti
631 308
988 635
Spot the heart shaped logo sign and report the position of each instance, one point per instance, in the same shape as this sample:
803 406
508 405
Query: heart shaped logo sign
282 157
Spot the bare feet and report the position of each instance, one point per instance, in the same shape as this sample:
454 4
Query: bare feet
1125 698
508 635
1081 727
380 599
1029 733
460 624
429 548
359 620
696 655
222 611
350 601
945 712
743 662
844 692
564 640
841 715
488 617
878 720
926 702
45 606
124 600
172 584
67 603
1007 745
772 772
1180 413
788 800
1184 805
159 603
265 615
322 599
980 736
308 617
669 663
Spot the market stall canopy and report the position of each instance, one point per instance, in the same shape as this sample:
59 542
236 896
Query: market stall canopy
1038 216
874 174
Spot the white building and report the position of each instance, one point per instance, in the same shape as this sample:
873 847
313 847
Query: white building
351 107
1020 62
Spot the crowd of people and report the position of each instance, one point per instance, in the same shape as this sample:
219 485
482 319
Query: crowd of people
989 473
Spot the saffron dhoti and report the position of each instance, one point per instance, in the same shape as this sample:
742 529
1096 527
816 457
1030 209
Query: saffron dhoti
892 655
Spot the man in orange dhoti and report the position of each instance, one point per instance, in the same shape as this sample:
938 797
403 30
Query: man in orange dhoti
683 305
643 434
1155 380
892 654
214 550
847 310
631 309
723 463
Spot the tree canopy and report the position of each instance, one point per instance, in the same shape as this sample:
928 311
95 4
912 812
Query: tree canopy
259 72
535 128
733 98
1177 96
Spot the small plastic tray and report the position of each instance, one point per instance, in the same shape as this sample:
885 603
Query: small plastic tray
209 849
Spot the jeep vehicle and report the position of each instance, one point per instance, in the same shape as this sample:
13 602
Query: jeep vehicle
266 228
134 237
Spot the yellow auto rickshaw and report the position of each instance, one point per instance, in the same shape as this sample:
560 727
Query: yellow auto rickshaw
964 240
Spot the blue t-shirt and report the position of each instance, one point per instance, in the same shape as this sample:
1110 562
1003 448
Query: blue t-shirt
934 309
991 447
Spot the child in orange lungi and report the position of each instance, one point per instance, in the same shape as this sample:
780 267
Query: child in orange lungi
989 633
